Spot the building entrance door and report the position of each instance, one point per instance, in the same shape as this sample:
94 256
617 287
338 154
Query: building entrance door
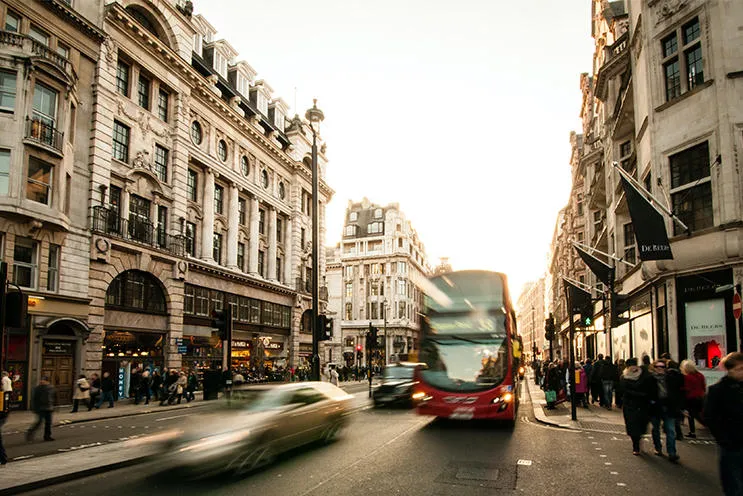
59 370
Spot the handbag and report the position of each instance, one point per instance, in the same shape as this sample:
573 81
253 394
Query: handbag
94 390
550 395
179 389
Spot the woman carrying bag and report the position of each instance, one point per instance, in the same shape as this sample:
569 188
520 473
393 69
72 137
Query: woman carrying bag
695 388
82 393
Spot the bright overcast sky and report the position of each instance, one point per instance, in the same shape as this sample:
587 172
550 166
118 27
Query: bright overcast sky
460 110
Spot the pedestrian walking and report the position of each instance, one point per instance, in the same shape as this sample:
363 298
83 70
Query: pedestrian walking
618 393
608 376
193 383
333 376
180 386
597 390
723 413
81 394
581 385
95 390
6 385
157 382
695 386
42 403
4 412
107 391
135 382
144 386
552 384
666 408
638 389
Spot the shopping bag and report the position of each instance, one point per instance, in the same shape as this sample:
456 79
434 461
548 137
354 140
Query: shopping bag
550 395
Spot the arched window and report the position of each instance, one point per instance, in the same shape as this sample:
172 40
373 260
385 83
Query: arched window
147 21
138 291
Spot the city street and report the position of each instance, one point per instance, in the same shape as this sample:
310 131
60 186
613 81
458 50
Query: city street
393 451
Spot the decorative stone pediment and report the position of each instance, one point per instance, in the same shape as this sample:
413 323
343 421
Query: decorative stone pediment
665 9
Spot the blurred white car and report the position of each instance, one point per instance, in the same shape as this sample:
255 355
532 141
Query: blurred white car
248 430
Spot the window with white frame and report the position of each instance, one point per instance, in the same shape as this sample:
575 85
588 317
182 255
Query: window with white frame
45 105
197 43
7 90
350 230
378 213
37 34
348 271
598 221
349 290
375 228
402 287
402 268
4 171
52 281
120 142
192 185
353 216
39 181
682 55
25 263
691 187
161 163
625 156
12 22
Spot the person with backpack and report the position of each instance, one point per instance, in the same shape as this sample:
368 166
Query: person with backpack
723 414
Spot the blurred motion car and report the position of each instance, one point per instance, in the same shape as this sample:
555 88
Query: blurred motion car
258 422
396 385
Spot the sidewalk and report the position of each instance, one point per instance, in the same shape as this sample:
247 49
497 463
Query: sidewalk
22 419
594 418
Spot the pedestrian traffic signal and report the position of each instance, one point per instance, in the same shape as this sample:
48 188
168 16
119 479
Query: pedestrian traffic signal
324 328
358 347
586 314
619 305
221 322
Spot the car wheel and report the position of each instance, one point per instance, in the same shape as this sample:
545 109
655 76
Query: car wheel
258 457
331 432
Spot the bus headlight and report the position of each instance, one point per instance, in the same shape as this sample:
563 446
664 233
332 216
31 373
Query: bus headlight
420 396
504 398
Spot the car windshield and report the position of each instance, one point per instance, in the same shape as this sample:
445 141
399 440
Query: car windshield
460 364
398 373
257 399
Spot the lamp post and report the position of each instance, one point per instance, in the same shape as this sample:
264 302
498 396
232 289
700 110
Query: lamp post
386 341
315 117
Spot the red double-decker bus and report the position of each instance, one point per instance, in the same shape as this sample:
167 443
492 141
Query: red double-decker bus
471 348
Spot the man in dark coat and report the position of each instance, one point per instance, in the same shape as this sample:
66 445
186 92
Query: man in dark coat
723 413
638 388
667 408
597 389
42 403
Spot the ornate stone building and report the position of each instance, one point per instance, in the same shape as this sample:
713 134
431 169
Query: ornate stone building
530 317
48 56
199 198
664 104
378 267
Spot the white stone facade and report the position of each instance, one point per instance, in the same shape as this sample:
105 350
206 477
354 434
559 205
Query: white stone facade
664 102
379 263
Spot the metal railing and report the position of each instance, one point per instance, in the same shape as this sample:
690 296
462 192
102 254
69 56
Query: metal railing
44 133
141 231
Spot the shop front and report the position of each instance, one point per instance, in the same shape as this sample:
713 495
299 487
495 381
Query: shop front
706 325
258 352
201 352
125 351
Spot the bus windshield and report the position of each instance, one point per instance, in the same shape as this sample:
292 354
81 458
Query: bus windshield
464 363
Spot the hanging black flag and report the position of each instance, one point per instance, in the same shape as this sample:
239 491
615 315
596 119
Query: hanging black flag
604 272
579 299
650 230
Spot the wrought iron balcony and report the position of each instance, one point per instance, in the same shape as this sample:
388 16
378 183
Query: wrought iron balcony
36 49
106 221
44 133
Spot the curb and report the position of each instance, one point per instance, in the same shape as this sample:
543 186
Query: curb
134 414
539 414
29 486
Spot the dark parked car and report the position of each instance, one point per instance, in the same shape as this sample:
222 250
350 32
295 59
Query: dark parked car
396 385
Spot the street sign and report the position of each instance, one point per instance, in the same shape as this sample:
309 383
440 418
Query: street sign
737 307
183 349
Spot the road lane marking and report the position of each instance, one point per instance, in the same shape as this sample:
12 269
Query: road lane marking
602 456
594 442
524 462
614 473
622 484
24 457
171 418
607 463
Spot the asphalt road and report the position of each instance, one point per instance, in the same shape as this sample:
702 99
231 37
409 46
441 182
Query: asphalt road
387 452
73 437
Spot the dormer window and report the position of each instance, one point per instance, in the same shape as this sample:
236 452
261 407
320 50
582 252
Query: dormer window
197 44
350 230
378 213
220 64
353 216
375 228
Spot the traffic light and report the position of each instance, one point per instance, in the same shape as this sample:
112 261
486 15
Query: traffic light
221 322
324 328
16 304
586 314
371 337
619 305
549 328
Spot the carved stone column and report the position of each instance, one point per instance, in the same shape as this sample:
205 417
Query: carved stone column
271 244
234 218
288 261
207 226
125 194
253 242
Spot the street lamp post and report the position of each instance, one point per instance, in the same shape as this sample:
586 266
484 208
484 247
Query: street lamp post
386 340
315 116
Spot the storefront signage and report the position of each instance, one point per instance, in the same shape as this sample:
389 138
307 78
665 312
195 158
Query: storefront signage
58 347
274 346
705 330
240 344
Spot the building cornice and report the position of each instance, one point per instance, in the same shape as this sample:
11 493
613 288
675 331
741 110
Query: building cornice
64 11
201 88
231 276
